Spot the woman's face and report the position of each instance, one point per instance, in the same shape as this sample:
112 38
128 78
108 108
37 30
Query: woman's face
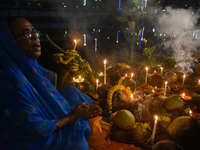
30 45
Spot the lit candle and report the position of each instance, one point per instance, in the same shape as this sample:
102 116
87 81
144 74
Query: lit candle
73 79
104 71
165 88
132 75
153 91
183 95
131 96
161 69
146 74
199 82
75 44
79 79
183 80
154 71
154 130
125 75
190 113
101 74
97 81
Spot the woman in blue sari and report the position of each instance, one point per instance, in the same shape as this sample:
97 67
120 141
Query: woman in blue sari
34 115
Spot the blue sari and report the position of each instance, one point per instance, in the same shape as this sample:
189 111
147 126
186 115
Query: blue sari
30 105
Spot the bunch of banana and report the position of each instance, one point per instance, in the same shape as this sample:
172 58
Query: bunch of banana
57 57
74 62
112 91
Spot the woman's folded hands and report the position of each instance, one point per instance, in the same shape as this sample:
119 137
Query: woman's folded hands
87 111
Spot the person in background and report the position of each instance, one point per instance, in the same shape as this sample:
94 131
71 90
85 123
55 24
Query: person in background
34 115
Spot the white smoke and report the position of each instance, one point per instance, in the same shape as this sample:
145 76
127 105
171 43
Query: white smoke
181 33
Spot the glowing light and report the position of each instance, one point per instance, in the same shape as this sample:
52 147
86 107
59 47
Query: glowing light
190 112
183 80
95 44
154 130
165 88
75 44
146 74
117 36
183 95
105 71
161 69
84 2
119 4
84 39
132 74
97 81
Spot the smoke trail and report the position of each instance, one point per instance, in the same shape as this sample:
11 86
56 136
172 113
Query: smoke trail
182 34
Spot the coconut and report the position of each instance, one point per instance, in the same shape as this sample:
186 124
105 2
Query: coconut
128 82
156 105
173 102
179 126
156 79
102 91
124 119
171 77
120 100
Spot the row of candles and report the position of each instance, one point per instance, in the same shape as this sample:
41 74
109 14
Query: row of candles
161 68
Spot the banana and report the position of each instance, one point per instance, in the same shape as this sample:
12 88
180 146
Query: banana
75 64
68 60
58 54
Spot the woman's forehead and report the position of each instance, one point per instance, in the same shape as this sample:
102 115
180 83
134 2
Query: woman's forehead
20 24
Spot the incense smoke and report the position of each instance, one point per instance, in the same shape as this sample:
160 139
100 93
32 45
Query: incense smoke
181 31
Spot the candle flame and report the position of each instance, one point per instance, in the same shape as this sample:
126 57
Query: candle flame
146 68
131 96
183 94
156 117
165 82
105 62
75 41
184 76
152 91
199 80
79 77
161 68
132 75
97 81
190 112
126 75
